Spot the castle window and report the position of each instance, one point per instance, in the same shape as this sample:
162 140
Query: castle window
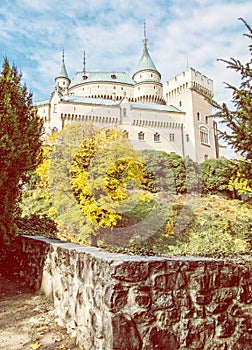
126 133
204 135
63 82
156 137
180 103
172 137
114 87
187 138
85 77
141 136
55 108
198 116
125 112
113 76
205 157
206 119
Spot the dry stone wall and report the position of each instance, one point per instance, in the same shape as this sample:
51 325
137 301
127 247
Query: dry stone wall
123 302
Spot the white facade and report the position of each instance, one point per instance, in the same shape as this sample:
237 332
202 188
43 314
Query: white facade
173 117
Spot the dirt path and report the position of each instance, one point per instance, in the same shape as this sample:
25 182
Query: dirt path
27 320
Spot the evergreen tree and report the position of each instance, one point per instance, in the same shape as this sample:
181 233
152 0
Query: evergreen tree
20 144
239 120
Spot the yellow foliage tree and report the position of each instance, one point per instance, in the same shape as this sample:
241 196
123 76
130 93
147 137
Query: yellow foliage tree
106 175
241 182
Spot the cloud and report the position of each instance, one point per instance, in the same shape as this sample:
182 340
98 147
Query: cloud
180 33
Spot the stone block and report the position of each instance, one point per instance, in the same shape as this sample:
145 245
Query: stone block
131 271
125 333
116 297
170 281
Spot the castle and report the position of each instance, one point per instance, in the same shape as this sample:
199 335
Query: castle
172 116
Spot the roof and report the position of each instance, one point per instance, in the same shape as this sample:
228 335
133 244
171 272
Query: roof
89 100
41 102
146 62
104 102
111 77
63 71
154 106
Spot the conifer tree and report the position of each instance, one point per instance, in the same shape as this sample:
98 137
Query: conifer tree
20 144
239 120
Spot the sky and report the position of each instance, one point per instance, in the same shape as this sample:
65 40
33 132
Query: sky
181 34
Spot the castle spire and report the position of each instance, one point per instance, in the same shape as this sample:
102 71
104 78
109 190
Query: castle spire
84 62
63 71
145 40
145 62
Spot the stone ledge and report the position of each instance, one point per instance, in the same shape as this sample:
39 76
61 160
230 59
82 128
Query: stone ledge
119 301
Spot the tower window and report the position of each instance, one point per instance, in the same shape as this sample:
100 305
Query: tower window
204 135
113 76
141 136
125 112
187 137
172 137
206 119
198 116
63 82
180 103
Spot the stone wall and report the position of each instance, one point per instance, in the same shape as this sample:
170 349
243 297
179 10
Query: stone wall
123 302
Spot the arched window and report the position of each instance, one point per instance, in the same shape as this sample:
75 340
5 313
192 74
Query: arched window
141 136
156 137
204 135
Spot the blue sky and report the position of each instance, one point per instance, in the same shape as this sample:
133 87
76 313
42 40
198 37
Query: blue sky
180 32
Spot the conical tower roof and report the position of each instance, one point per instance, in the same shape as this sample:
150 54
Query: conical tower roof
145 62
63 71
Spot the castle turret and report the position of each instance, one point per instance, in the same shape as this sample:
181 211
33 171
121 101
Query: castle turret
148 87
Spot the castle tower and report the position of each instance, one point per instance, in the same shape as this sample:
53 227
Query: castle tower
62 81
190 92
148 88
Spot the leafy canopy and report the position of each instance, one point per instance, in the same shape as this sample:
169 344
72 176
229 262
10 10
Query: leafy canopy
20 144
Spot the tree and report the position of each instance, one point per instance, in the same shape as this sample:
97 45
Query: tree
170 173
239 120
216 174
20 144
240 182
106 178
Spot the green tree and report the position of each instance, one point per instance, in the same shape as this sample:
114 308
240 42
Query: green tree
216 174
20 144
239 120
170 173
